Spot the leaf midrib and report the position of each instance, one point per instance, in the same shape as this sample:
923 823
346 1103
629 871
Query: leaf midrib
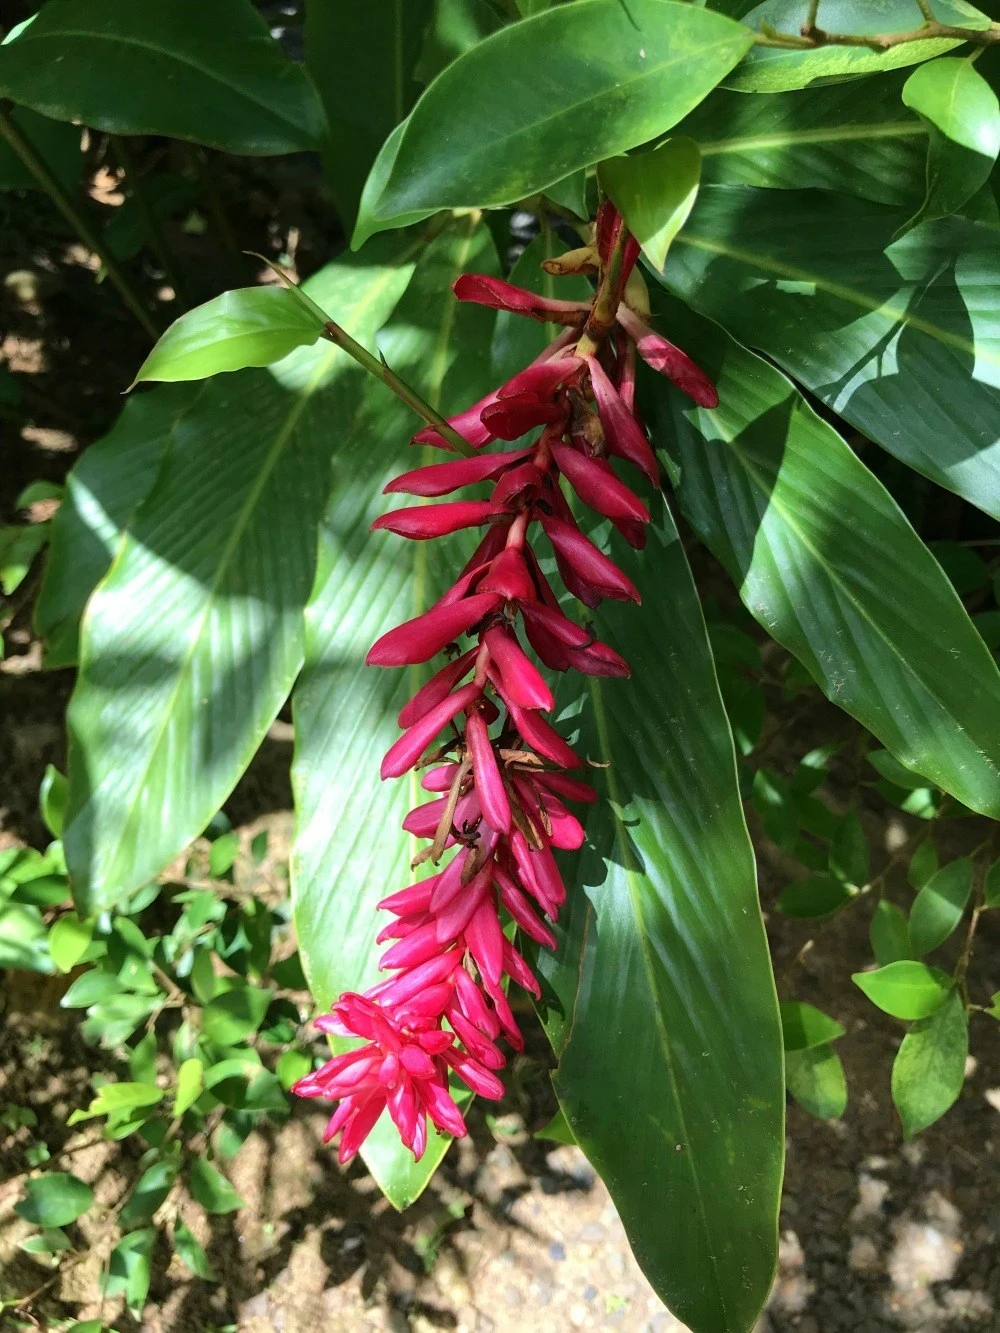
574 110
851 294
821 135
178 57
760 480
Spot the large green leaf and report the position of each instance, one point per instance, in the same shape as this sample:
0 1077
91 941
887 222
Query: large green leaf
852 137
827 562
544 97
350 850
362 59
56 143
903 340
207 72
104 490
192 641
660 1003
774 70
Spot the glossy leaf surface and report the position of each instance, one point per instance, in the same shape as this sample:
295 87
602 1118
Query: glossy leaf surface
660 996
169 708
772 70
794 516
554 93
905 989
345 712
209 73
654 192
902 340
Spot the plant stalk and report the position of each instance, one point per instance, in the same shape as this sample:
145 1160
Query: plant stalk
62 200
377 367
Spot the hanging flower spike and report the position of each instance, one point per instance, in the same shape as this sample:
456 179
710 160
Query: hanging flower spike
497 782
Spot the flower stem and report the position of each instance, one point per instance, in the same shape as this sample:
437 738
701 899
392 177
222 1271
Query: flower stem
376 366
602 316
54 188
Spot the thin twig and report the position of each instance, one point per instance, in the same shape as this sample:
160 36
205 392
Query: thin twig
814 38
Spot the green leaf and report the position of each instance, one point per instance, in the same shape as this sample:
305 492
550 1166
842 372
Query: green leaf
571 193
817 896
234 1014
54 1200
154 1185
213 75
69 940
849 857
794 515
455 27
169 709
851 137
923 863
23 938
252 326
938 907
654 192
50 1241
929 1069
190 1082
90 989
52 799
592 79
516 340
815 1078
103 492
895 772
775 70
362 60
129 1268
222 854
115 1097
803 1026
963 114
661 939
57 144
889 933
211 1189
967 570
345 713
292 1065
889 336
557 1129
992 886
905 989
18 548
191 1254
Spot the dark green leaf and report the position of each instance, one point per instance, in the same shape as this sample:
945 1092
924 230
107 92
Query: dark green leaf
50 1241
654 192
929 1069
177 68
191 1254
905 989
818 896
774 70
222 854
967 570
557 1129
517 340
849 857
923 863
292 1065
54 1200
345 713
90 989
154 1185
992 886
804 1026
889 933
815 1078
890 336
794 515
895 772
105 488
456 26
661 939
362 60
129 1268
938 907
18 548
23 938
52 799
852 137
235 1014
57 144
592 79
147 771
212 1190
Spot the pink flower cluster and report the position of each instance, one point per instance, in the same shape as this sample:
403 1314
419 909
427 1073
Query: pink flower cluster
498 781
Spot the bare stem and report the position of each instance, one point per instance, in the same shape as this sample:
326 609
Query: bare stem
376 366
812 38
602 316
54 188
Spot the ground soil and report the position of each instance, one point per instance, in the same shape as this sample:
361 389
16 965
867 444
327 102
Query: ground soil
513 1234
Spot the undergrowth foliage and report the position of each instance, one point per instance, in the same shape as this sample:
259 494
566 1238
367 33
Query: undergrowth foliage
807 213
